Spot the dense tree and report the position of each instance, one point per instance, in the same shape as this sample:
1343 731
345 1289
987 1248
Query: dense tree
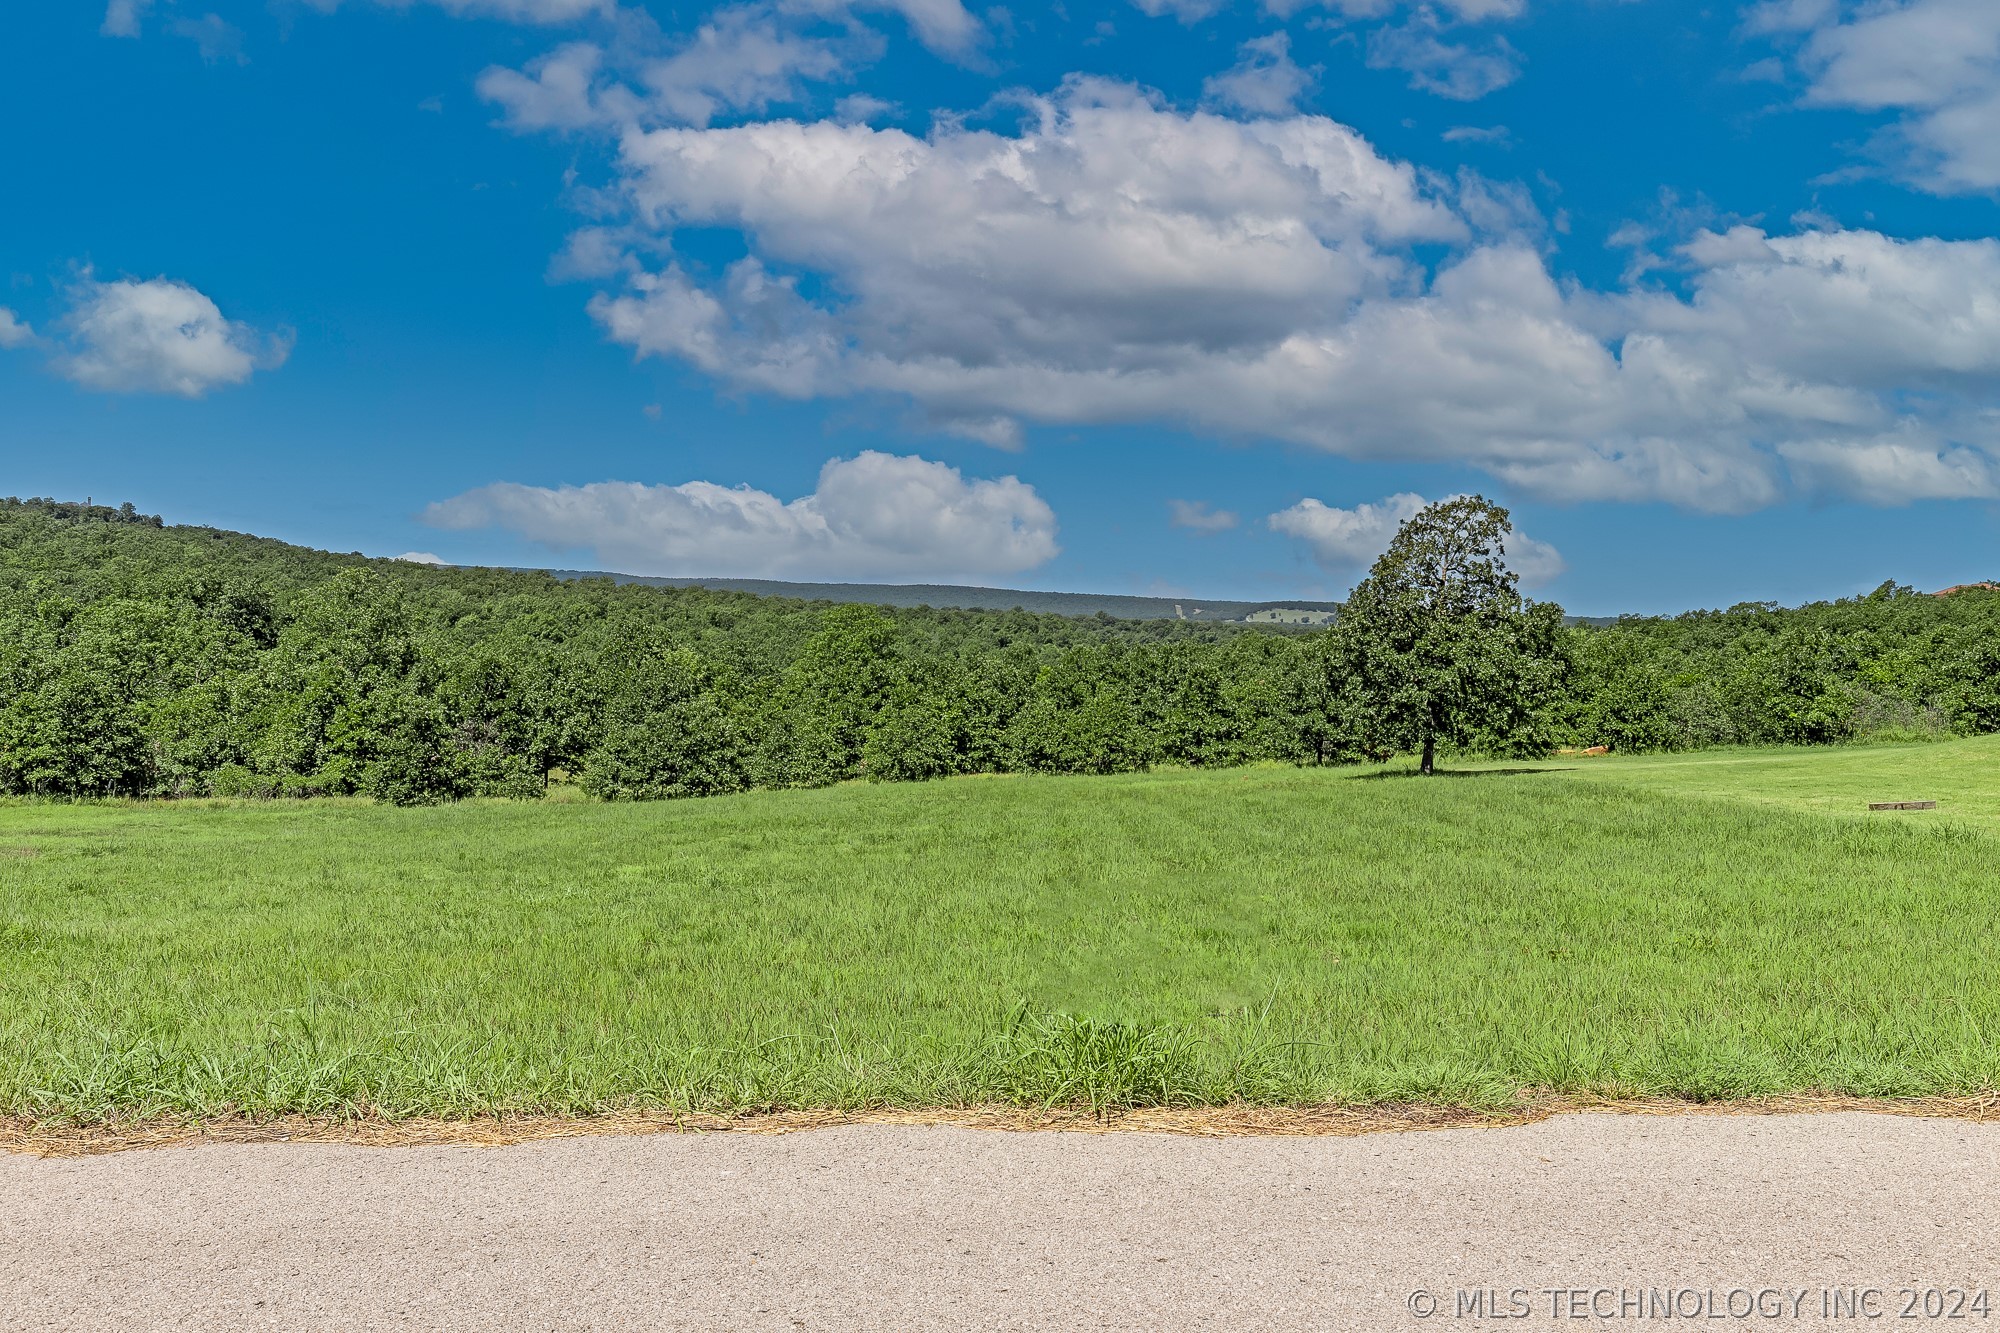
138 659
666 732
1081 718
1621 694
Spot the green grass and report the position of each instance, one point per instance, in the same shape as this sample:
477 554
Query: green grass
1963 777
1709 925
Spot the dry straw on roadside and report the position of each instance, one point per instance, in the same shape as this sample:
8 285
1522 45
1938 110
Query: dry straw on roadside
55 1139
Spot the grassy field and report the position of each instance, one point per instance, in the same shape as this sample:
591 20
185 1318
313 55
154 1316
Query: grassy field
1710 925
1963 777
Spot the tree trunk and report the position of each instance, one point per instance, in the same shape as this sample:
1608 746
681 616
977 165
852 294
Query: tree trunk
1430 753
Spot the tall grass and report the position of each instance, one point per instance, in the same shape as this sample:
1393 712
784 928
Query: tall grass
1680 926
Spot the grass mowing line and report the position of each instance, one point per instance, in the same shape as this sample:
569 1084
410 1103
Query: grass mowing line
1264 936
49 1139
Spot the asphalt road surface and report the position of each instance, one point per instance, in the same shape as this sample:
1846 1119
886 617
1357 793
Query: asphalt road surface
1584 1221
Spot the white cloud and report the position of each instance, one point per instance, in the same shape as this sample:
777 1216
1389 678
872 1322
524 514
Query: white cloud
1843 312
123 17
1935 61
1498 135
557 91
743 60
216 39
1415 43
543 12
943 25
420 558
1481 11
591 254
743 57
1468 11
1187 11
1738 245
1118 261
873 516
1264 82
1457 70
1349 540
1894 470
1346 538
14 331
1537 562
158 336
1790 15
858 108
1407 36
1198 516
1112 238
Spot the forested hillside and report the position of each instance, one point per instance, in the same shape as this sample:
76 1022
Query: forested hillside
992 599
138 658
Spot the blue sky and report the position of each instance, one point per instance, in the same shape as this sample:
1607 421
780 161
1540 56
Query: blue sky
1146 296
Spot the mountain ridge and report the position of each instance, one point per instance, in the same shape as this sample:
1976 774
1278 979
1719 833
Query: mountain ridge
1122 606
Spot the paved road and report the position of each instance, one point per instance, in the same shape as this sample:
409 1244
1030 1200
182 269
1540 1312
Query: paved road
912 1228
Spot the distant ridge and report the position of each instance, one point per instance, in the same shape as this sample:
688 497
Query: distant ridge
944 595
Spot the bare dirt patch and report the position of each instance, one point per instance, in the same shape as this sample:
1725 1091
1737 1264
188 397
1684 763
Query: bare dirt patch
61 1139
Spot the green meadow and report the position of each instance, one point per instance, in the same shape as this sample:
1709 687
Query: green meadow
1709 925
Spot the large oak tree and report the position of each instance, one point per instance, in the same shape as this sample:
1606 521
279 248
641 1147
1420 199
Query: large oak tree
1437 645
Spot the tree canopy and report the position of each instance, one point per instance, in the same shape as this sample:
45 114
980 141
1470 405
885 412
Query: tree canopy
144 659
1437 644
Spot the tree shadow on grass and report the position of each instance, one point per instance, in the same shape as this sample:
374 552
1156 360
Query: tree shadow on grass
1451 773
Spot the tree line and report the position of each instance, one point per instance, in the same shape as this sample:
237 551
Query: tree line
144 659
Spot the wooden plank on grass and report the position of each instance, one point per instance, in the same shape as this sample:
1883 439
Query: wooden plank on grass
1902 805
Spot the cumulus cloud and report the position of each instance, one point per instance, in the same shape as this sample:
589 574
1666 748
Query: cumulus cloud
1110 240
1198 516
1937 62
14 331
1264 81
1346 538
158 336
1349 540
420 558
1894 470
1537 562
1116 260
873 516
